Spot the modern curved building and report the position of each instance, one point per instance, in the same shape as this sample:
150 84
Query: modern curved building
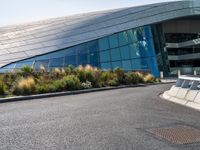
157 37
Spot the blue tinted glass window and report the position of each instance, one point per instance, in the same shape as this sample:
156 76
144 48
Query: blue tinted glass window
125 53
93 46
140 34
24 63
143 48
116 64
81 49
105 56
144 63
115 54
132 36
41 63
83 59
140 64
95 64
70 51
94 57
57 54
113 40
106 66
103 43
56 62
153 66
123 38
147 30
43 57
134 50
136 64
11 66
126 65
70 60
150 47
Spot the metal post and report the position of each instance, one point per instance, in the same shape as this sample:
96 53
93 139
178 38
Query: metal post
195 72
161 75
179 73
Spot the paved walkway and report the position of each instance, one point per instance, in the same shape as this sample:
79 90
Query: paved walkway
116 119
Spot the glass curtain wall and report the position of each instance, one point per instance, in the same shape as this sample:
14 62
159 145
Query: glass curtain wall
131 50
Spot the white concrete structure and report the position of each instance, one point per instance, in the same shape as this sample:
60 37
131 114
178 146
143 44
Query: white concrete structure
185 92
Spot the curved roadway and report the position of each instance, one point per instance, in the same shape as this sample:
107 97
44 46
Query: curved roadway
110 120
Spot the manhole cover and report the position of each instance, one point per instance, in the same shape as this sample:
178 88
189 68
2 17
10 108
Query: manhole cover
178 134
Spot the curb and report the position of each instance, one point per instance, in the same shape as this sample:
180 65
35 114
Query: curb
186 103
47 95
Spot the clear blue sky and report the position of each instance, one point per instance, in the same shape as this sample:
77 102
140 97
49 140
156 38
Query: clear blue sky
20 11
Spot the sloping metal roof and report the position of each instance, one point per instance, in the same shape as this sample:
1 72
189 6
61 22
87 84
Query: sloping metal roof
36 38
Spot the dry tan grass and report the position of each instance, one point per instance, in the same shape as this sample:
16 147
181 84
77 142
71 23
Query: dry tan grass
42 69
90 68
26 83
148 78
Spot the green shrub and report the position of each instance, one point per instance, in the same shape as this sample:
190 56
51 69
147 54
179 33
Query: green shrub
139 77
113 82
107 76
56 73
59 85
97 79
129 78
133 78
71 82
24 86
9 79
81 74
2 88
45 88
90 76
70 69
157 80
26 71
120 75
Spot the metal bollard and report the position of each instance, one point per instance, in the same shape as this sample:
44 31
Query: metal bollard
161 75
179 73
195 72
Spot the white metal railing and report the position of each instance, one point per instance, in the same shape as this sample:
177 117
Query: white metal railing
189 82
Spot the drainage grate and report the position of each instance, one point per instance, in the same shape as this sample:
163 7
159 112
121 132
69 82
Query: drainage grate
178 134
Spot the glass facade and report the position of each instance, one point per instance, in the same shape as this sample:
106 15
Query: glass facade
132 49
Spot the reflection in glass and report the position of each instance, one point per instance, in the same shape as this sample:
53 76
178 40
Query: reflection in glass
22 64
41 63
126 65
105 56
123 38
125 53
94 57
70 60
116 64
132 36
93 46
56 62
103 43
134 50
105 66
115 54
113 40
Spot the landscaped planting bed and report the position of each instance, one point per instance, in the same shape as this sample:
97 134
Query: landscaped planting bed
28 82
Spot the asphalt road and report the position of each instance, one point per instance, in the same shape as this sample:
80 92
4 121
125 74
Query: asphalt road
107 120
